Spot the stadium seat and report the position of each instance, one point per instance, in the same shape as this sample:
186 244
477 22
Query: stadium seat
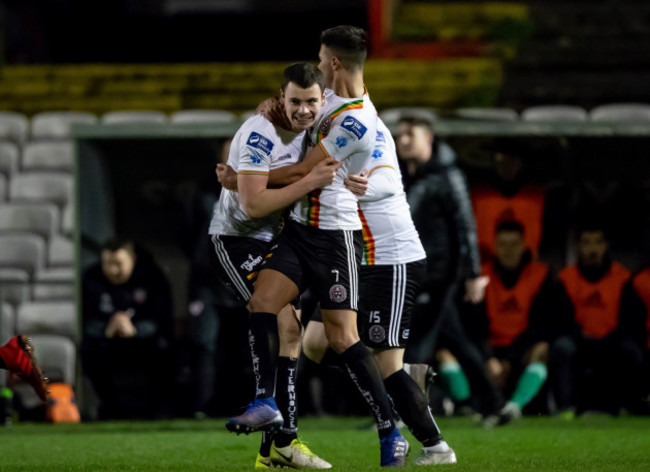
57 355
14 286
54 284
391 116
48 155
41 187
60 252
67 224
3 188
48 317
133 116
554 113
40 218
58 124
203 116
14 126
25 251
7 322
487 114
9 158
621 112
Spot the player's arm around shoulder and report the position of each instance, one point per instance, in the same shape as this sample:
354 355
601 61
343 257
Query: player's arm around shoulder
259 201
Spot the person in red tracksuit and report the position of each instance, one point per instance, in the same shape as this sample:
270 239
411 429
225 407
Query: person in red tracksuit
596 359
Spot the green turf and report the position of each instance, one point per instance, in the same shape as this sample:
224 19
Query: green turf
594 443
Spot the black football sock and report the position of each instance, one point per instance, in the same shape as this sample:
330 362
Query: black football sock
364 372
413 407
285 396
263 341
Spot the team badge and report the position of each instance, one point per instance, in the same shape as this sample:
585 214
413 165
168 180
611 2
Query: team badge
324 126
338 294
377 334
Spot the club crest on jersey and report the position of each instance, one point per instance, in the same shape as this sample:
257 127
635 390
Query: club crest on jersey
354 126
262 144
341 141
324 126
338 294
377 333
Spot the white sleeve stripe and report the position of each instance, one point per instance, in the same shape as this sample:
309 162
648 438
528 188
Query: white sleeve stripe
230 269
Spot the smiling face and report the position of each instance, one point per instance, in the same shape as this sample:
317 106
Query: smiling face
302 105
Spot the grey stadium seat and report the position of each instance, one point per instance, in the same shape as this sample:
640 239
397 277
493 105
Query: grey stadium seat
554 113
48 155
134 116
57 356
48 317
41 186
25 251
487 114
203 116
60 252
391 116
7 323
58 124
41 218
14 126
4 188
9 158
14 285
621 112
55 283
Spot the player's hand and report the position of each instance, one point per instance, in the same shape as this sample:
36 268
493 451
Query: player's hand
227 176
324 172
274 111
357 183
475 289
494 368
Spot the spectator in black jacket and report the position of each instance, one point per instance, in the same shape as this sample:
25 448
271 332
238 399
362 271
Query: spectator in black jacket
127 331
442 213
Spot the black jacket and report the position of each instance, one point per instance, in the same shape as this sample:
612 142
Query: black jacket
147 293
442 213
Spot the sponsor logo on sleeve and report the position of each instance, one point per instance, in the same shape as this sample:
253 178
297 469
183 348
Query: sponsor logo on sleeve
380 137
262 144
354 126
341 141
377 153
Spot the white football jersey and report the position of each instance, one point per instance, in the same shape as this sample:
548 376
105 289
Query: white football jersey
389 235
346 131
256 148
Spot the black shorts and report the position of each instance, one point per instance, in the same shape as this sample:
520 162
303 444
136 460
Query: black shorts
327 261
387 296
239 262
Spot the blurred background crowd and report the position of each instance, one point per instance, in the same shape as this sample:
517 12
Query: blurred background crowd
523 131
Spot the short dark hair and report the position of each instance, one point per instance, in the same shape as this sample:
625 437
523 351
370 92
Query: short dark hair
349 44
414 120
304 75
510 225
117 243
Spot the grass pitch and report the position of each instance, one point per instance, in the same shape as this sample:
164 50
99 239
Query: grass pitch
589 443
